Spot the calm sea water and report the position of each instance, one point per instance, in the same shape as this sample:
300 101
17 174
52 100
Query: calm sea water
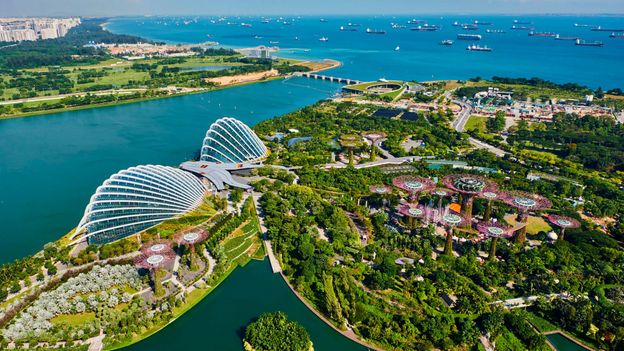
50 165
369 56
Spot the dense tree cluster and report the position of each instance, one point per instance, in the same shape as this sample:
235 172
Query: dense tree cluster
274 332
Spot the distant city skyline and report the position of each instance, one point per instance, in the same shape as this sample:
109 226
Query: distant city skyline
286 7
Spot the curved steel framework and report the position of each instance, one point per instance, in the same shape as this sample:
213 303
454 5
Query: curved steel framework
524 202
230 141
494 231
136 199
413 185
380 189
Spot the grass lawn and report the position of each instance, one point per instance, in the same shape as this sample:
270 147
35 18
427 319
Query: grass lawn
507 341
73 319
476 123
541 324
535 225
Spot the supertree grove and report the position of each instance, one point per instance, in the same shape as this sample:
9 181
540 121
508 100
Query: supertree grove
412 213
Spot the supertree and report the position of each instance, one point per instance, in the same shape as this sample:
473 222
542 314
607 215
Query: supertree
525 203
412 213
413 185
154 262
441 193
189 240
380 189
374 137
450 221
494 231
489 196
563 223
469 186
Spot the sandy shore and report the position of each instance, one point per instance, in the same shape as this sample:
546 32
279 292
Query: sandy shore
243 78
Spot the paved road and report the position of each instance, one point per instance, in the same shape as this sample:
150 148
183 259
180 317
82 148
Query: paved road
383 151
462 118
481 145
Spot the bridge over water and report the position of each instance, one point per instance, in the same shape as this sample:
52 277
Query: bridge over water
347 81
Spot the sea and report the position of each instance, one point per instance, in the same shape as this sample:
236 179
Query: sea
405 54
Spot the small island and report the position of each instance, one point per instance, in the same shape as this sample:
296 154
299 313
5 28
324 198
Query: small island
274 332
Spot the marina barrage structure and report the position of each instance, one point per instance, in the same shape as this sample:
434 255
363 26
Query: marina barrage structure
563 223
525 203
494 231
469 186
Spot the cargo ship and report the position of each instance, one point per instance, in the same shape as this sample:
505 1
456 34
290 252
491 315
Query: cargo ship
558 37
469 36
415 21
521 28
347 29
580 42
480 23
397 25
375 31
426 28
521 22
447 42
478 48
470 27
542 34
616 35
324 39
600 29
495 31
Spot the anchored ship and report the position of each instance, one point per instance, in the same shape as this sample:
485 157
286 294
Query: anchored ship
558 37
580 42
600 29
427 28
469 36
478 48
495 31
446 42
542 34
375 31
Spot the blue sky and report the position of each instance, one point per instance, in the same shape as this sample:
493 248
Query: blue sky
352 7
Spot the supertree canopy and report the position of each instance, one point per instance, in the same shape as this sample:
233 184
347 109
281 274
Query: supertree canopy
525 202
494 231
380 189
413 185
563 223
469 185
154 261
191 238
156 247
412 212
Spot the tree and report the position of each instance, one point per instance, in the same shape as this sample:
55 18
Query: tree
496 124
274 332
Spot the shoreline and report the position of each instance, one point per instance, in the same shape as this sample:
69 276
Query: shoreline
351 336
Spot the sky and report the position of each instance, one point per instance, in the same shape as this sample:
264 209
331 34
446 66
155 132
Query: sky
297 7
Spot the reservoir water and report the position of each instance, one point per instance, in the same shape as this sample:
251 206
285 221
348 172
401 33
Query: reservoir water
219 320
421 57
50 165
